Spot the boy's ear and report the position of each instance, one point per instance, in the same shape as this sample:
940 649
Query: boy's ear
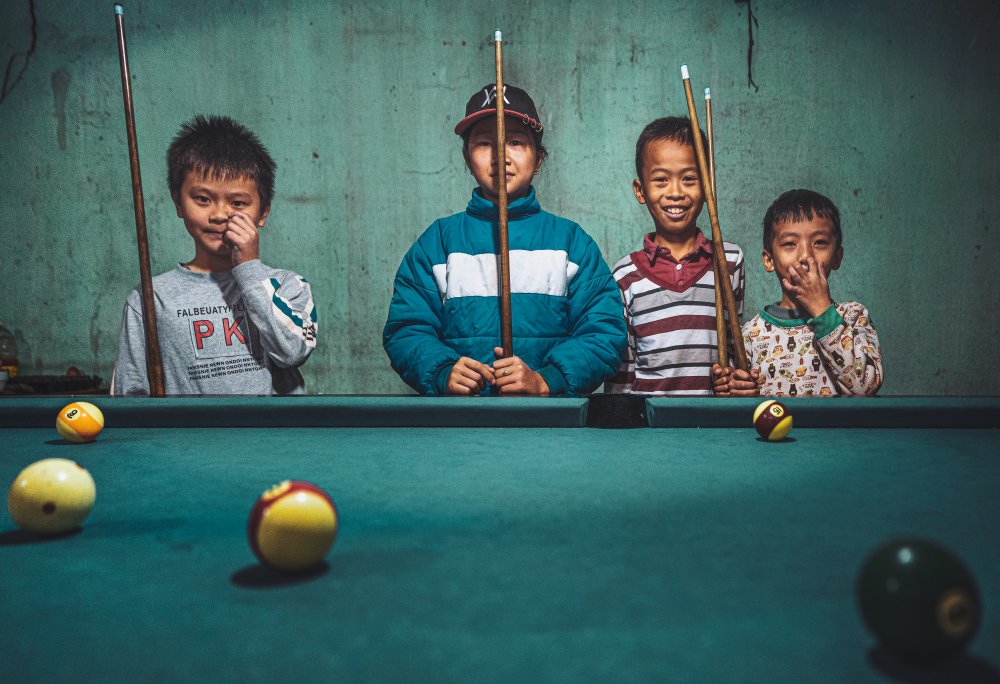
263 217
637 189
465 156
838 256
768 260
177 204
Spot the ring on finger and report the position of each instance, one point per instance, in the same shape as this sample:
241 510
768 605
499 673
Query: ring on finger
506 372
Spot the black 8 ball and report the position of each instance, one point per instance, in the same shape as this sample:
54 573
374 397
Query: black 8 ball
918 599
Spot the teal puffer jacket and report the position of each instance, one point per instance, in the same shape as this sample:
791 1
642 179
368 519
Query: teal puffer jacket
565 307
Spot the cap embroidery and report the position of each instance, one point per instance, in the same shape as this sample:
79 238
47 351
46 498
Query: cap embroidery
491 95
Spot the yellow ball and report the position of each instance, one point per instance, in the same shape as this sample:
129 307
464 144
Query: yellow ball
51 496
292 526
80 422
772 420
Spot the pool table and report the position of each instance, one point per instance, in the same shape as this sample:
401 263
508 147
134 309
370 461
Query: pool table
495 539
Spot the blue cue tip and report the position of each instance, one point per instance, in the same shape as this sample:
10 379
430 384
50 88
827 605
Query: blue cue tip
119 10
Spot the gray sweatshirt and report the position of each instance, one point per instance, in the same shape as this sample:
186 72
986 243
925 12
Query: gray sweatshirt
244 331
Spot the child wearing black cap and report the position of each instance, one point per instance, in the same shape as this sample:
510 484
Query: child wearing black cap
443 328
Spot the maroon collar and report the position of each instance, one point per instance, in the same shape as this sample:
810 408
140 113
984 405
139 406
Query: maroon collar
654 251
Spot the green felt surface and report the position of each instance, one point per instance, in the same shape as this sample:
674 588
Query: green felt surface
491 554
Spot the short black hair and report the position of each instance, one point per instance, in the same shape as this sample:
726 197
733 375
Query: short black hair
219 147
675 128
801 205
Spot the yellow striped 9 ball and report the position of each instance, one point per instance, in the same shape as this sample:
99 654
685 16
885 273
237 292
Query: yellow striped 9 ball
772 420
80 422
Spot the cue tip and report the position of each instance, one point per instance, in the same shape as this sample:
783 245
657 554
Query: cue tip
119 9
708 93
497 35
684 72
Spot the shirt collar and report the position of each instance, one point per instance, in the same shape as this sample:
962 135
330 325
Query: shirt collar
654 251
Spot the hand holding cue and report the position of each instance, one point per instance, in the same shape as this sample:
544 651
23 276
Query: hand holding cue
154 364
506 334
717 247
720 318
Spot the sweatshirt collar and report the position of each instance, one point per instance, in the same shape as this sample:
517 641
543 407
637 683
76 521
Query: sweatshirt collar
482 208
782 317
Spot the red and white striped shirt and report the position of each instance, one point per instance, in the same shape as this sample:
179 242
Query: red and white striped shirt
670 312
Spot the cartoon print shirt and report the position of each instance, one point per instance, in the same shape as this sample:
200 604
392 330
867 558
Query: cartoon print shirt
836 353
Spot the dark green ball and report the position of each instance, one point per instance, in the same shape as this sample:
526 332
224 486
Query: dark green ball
918 599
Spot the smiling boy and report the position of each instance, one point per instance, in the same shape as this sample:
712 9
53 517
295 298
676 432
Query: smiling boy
227 324
443 328
806 345
668 286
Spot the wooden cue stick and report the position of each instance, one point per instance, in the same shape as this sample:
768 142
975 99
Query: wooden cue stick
720 318
154 363
506 333
713 215
711 140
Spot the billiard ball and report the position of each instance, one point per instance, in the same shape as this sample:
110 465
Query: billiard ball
772 420
292 526
51 496
918 599
80 422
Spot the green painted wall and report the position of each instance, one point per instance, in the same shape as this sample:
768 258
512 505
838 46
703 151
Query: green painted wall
890 108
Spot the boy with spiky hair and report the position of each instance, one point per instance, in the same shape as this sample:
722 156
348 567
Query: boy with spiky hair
227 323
668 287
806 345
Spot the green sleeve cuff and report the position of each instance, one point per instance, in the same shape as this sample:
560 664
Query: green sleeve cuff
826 322
554 379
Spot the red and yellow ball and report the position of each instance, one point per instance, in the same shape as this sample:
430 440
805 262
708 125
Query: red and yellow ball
51 496
292 526
772 420
80 422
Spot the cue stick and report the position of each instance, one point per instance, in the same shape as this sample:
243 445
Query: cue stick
154 363
711 140
720 318
506 334
713 215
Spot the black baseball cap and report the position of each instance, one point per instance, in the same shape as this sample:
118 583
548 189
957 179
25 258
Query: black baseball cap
516 103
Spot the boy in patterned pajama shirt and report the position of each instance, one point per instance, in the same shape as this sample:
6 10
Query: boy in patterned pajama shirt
805 345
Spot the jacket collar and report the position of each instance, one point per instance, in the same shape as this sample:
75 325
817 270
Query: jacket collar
482 208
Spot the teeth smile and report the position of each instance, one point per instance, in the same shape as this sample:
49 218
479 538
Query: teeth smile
675 210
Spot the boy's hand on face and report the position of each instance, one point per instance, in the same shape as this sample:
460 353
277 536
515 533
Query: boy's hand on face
244 237
513 376
469 376
720 380
807 285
